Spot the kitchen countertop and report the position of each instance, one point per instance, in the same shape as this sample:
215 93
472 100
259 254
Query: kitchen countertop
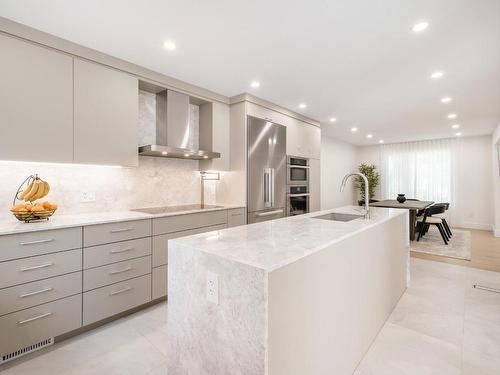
273 244
10 225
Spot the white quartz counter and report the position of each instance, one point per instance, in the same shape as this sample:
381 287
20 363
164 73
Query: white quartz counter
273 244
10 225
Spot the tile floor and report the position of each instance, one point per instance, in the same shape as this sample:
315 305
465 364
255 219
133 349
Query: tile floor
441 326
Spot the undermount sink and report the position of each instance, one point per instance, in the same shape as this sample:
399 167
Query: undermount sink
336 216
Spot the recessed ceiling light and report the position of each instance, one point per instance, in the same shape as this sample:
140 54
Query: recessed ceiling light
333 119
437 74
381 141
354 129
302 105
452 115
455 126
369 136
169 45
255 84
458 134
446 99
420 26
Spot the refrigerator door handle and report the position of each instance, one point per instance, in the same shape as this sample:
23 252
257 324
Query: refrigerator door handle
267 187
271 193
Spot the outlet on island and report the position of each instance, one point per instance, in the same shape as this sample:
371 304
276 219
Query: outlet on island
88 196
213 288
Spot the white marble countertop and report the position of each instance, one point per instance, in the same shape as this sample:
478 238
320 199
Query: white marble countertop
273 244
10 225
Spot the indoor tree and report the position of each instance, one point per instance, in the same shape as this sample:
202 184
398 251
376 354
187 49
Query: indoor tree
370 171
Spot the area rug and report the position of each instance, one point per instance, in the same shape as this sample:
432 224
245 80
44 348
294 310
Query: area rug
458 247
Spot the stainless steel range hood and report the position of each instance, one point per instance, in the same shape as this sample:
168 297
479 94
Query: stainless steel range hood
174 132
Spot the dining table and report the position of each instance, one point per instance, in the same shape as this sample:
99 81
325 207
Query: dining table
414 206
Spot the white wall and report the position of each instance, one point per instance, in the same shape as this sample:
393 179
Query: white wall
496 179
474 208
337 159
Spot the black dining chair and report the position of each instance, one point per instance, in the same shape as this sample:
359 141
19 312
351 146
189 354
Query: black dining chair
425 221
442 216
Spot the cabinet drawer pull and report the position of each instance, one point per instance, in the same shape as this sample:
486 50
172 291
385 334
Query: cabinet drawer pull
120 271
121 251
36 242
121 230
121 291
35 293
37 267
34 318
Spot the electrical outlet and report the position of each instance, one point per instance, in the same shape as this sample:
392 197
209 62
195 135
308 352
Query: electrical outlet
212 287
88 196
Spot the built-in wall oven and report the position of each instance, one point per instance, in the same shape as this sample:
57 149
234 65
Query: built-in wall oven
297 200
297 171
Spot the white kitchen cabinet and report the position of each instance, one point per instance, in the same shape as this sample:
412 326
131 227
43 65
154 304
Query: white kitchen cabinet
214 135
314 185
106 107
36 103
303 140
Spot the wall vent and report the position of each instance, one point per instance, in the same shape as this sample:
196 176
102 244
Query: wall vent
26 350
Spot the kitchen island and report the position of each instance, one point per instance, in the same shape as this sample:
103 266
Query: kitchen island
299 295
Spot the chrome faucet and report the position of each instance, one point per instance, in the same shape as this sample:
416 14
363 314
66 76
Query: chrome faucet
367 190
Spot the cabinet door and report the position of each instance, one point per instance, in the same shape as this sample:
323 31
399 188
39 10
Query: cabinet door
214 135
315 185
36 103
106 115
303 140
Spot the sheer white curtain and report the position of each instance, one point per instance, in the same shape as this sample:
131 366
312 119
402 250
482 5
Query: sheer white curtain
424 170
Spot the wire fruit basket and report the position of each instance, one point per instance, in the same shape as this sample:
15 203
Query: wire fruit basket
31 189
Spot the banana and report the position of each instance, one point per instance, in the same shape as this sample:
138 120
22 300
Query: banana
47 187
40 192
33 191
28 188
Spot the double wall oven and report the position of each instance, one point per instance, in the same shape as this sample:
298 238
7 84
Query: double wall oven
297 197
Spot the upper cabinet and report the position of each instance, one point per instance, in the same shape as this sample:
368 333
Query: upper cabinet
36 103
215 135
303 140
105 115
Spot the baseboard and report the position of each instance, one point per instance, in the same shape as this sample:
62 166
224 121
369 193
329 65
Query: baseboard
479 226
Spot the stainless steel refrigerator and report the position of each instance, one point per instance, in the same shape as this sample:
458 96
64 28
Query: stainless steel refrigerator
266 178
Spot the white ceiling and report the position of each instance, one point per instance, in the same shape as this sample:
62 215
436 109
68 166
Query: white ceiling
355 60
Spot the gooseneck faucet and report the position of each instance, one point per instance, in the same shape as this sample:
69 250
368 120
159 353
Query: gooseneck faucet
367 190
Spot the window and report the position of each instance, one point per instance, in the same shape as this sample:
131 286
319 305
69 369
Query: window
421 170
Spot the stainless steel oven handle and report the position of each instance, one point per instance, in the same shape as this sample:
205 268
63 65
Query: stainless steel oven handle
269 213
298 166
299 195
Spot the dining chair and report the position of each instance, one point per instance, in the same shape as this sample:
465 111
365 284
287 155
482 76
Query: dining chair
425 221
442 216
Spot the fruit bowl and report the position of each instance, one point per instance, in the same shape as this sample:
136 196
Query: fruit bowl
28 216
35 188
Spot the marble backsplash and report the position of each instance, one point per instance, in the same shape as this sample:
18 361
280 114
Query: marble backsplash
156 182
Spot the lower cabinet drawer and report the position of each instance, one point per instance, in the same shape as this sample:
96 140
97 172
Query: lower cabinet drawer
170 224
104 302
113 273
25 270
30 326
38 292
160 242
159 282
116 252
236 217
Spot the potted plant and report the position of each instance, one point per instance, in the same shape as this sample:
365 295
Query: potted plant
370 171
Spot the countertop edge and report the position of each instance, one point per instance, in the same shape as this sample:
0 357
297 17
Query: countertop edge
93 218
